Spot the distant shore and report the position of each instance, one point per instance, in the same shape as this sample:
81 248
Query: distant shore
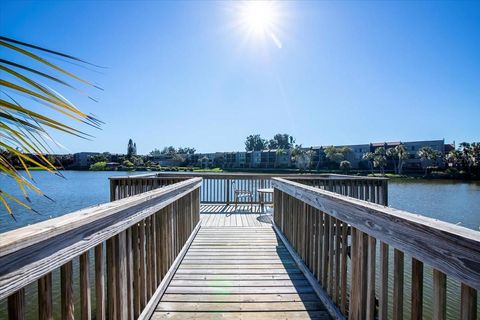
436 175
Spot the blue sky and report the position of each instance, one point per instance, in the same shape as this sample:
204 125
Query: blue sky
185 74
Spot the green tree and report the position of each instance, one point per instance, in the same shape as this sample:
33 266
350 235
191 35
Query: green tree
155 153
281 141
402 155
127 163
25 123
102 157
345 166
368 156
169 150
131 149
337 154
380 159
255 143
427 156
310 153
98 166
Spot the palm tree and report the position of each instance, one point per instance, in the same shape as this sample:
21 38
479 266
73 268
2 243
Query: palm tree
398 154
345 166
402 155
380 159
368 156
392 154
24 124
427 155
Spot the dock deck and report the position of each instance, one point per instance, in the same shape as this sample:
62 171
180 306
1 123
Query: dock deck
237 268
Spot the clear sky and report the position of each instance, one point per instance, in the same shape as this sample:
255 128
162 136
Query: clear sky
193 74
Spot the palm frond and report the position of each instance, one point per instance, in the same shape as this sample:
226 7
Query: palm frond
24 123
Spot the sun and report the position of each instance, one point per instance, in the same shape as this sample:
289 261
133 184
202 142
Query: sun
260 19
258 16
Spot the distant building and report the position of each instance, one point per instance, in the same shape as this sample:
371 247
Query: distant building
271 159
82 159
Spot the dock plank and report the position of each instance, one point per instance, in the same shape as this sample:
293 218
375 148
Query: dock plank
237 268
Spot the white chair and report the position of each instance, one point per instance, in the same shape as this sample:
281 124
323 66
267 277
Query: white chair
242 194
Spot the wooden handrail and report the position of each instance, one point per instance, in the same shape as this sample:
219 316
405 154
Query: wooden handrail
144 232
216 187
223 175
322 225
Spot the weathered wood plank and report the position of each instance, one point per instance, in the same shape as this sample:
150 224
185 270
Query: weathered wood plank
468 307
370 313
16 305
439 295
45 307
66 291
292 297
383 298
417 290
240 306
99 284
236 271
237 283
240 290
398 277
269 315
85 302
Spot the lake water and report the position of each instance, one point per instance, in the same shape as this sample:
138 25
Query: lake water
455 202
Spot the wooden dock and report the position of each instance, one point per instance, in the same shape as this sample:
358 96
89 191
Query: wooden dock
183 247
239 271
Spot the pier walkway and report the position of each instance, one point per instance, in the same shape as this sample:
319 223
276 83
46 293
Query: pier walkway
182 246
237 268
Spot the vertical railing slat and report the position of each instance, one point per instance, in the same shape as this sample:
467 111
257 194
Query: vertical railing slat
439 295
417 290
45 307
85 302
99 283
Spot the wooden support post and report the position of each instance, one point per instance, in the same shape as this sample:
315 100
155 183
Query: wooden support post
111 281
398 276
468 307
16 305
85 303
439 295
121 262
343 298
45 308
99 283
417 289
136 272
383 300
66 291
372 244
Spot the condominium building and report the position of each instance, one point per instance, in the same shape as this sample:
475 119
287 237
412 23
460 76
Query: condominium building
272 159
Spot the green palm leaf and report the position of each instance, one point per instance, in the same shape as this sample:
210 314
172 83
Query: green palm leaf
24 125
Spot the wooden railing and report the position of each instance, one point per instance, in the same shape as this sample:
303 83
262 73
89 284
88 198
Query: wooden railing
130 244
338 239
218 188
126 186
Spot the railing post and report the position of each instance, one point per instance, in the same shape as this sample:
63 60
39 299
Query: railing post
227 188
16 305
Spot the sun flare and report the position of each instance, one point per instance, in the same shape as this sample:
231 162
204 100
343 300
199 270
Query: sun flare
260 19
258 16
